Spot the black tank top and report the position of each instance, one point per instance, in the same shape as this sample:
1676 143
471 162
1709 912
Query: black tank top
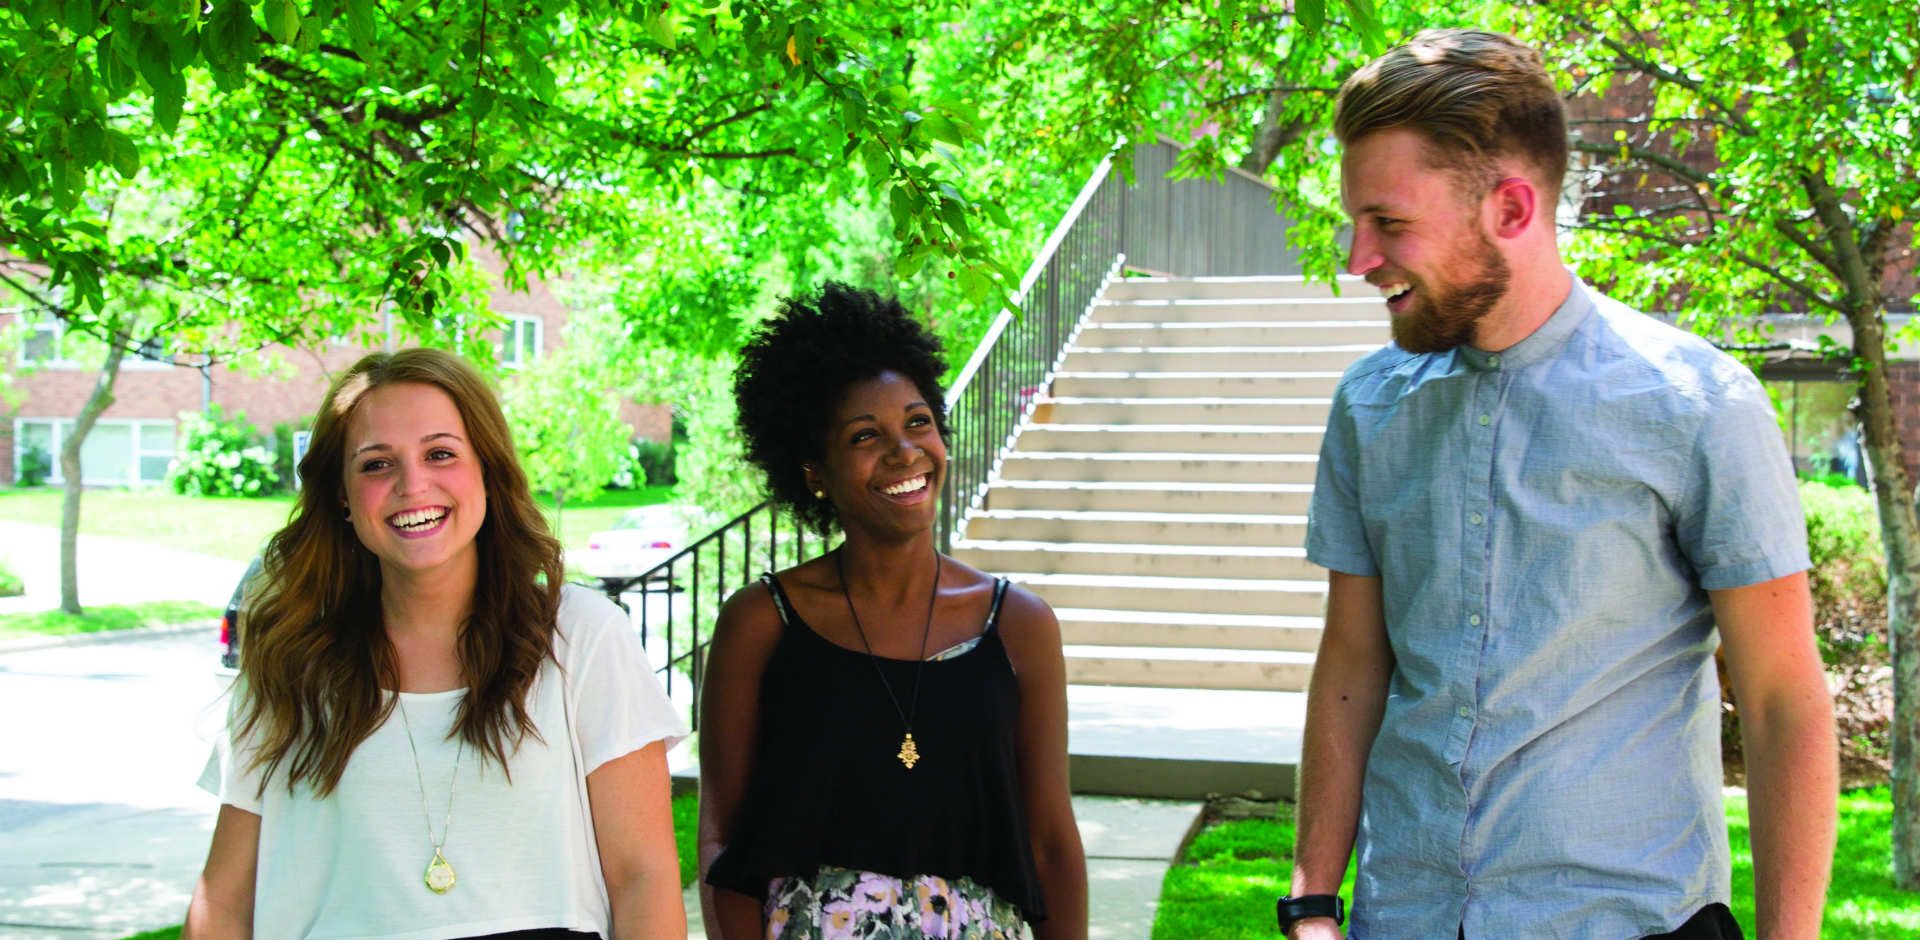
827 789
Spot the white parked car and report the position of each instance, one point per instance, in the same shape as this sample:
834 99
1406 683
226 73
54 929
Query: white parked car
643 538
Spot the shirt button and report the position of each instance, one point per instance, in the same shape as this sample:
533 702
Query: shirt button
1493 361
1486 420
1465 712
1476 518
1474 619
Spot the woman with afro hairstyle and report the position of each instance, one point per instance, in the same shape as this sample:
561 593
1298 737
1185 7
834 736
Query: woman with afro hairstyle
884 732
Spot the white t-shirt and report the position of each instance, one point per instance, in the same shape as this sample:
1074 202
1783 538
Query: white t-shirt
353 865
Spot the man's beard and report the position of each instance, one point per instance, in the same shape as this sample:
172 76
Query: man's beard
1448 316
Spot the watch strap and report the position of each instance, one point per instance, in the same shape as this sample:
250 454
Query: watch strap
1291 910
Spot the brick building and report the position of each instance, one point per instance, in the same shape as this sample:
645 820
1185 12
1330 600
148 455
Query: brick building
1813 393
135 438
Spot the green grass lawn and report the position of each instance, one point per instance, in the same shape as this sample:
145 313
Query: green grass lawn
104 617
229 528
1225 886
236 528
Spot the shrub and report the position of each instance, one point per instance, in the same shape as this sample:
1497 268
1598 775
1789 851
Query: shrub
36 465
647 463
1849 584
10 583
221 456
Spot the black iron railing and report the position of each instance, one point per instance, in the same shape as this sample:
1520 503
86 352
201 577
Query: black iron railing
680 598
1008 373
1158 224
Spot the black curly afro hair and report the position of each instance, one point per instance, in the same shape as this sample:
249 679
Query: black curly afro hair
796 369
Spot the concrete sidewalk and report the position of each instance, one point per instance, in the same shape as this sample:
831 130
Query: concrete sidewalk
1130 844
112 570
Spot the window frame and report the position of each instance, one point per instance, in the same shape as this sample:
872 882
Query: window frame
138 431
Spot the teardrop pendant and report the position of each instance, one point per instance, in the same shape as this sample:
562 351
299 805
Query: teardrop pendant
909 752
440 878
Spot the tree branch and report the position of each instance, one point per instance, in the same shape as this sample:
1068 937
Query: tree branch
1659 72
1805 290
1672 165
1808 245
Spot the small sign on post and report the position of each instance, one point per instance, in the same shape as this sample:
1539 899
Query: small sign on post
300 439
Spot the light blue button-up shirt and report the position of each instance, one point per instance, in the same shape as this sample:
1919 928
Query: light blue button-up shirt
1546 522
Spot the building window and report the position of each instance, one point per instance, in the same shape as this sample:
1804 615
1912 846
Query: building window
520 341
43 346
116 453
1821 434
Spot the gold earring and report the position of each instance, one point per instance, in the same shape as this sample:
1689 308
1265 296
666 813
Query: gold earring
819 494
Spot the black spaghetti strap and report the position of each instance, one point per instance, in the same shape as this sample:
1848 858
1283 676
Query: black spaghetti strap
993 612
780 602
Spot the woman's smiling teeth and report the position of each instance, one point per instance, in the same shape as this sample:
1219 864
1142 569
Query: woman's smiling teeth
416 519
904 487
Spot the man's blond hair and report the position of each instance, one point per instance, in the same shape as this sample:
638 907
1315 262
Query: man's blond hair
1474 96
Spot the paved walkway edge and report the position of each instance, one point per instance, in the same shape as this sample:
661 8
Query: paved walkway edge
104 636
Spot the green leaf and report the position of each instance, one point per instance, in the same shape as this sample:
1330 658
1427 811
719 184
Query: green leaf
939 128
664 28
1312 14
1366 21
283 20
901 204
879 165
82 17
169 99
125 156
360 31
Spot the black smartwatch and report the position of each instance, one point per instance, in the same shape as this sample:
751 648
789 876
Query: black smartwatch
1292 910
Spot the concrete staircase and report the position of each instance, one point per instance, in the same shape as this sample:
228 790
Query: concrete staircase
1158 497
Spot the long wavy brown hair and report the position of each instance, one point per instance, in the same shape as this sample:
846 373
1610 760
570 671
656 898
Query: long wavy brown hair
315 661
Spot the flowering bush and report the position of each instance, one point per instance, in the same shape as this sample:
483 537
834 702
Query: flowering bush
221 456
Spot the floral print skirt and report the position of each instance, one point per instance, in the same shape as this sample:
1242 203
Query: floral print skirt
842 904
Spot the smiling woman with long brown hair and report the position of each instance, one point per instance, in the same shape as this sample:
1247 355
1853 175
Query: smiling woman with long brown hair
432 736
884 729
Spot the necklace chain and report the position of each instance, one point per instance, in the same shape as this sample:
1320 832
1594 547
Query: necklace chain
446 825
909 751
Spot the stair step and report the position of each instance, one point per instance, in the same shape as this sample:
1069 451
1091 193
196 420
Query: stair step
1193 668
1173 438
1279 358
1125 558
1185 595
1161 628
1151 528
1266 333
1195 410
1183 743
1237 310
1159 468
1127 496
1265 286
1125 384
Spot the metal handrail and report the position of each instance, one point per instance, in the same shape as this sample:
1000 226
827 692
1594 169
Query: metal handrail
1196 227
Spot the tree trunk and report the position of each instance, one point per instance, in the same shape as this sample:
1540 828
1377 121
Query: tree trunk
1275 135
97 402
1895 498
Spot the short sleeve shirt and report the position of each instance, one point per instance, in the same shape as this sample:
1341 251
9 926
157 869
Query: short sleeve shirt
1546 522
352 865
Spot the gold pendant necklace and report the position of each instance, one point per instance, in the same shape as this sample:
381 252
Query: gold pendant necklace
440 877
909 753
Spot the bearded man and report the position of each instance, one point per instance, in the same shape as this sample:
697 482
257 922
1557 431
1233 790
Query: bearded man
1541 512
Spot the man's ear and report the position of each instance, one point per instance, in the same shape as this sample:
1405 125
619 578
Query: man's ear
1514 205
